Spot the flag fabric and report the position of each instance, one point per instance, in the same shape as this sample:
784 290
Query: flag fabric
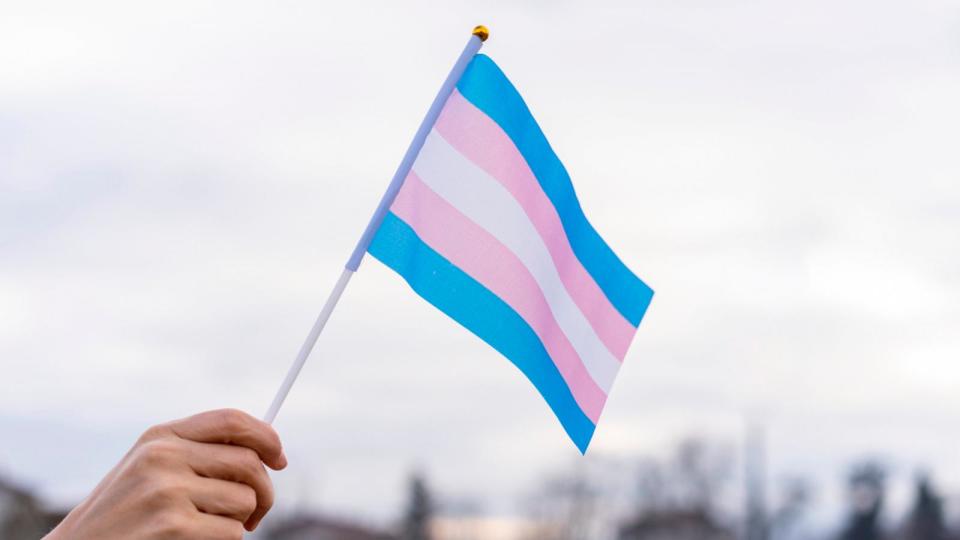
488 229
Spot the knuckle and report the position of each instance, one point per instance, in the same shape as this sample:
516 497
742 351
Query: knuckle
157 453
266 501
165 493
268 495
172 524
248 501
256 476
233 420
154 432
274 440
250 462
242 426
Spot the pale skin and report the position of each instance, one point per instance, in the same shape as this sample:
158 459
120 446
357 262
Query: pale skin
201 477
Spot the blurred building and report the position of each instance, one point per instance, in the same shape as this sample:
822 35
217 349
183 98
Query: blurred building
315 527
675 525
489 528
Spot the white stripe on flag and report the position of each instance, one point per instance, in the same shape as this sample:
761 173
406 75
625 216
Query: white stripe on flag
488 204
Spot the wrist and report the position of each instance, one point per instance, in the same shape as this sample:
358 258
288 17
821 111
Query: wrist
65 529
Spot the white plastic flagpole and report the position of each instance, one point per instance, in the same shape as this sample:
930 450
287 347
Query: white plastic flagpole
307 346
479 35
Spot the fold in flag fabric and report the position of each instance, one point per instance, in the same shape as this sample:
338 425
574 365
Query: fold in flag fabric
488 229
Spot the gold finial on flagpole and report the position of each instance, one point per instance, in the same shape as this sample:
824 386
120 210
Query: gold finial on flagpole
481 32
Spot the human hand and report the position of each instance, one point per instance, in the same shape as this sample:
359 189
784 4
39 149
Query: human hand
201 477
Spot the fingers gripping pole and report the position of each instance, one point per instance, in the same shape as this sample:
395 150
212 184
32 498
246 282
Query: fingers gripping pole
308 346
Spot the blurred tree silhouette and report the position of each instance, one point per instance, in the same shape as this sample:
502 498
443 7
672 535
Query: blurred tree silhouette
576 504
416 520
926 519
867 486
679 498
788 514
692 478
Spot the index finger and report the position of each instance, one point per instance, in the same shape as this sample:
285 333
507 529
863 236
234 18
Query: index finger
230 426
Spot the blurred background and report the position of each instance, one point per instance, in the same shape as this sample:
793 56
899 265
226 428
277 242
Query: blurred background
181 182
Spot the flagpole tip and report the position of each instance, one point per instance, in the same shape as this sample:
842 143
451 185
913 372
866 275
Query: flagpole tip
481 32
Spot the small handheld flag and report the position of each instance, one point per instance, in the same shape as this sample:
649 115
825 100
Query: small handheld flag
482 221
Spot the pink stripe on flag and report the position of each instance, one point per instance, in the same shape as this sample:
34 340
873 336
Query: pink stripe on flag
483 142
484 258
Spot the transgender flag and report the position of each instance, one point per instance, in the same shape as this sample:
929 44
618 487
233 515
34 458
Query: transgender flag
488 229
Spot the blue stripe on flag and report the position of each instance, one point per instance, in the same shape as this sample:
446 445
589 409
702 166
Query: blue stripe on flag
484 85
476 308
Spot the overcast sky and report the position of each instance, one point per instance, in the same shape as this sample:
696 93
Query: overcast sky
181 182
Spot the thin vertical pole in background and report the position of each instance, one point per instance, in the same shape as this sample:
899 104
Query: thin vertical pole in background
477 38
